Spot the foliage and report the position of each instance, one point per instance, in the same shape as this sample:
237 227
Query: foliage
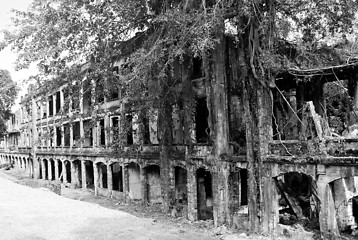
8 92
338 104
62 35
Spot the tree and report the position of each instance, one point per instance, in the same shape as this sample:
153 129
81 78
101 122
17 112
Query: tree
152 37
8 93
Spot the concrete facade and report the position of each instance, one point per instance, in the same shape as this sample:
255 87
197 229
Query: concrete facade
305 175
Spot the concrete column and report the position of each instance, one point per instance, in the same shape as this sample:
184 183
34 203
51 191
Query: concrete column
192 195
221 196
74 179
84 177
71 135
62 136
43 169
64 171
97 134
47 107
95 176
81 99
109 178
62 99
100 176
82 132
144 184
106 132
270 206
56 170
31 168
125 181
54 139
54 100
327 214
49 170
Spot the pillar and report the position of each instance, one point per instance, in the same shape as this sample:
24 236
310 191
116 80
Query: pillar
109 178
43 169
100 176
95 176
49 169
54 100
192 195
327 216
71 135
270 206
125 181
31 168
106 132
74 180
62 99
220 181
84 176
56 171
82 133
64 172
62 136
144 185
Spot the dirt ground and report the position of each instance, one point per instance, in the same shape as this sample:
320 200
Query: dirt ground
38 213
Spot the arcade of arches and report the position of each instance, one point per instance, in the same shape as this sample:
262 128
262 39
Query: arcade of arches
324 197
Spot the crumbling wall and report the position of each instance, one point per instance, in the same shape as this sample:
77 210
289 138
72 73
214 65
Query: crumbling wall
153 184
134 182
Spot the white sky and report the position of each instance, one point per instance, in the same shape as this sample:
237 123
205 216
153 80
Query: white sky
7 58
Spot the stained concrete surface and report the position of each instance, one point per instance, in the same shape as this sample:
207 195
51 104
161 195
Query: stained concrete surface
39 214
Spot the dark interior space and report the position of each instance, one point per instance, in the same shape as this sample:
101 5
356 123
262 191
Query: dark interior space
204 194
117 177
201 121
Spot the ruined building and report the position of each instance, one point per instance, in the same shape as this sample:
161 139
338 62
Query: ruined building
308 174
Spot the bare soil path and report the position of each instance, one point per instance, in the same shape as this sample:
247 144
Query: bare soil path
38 214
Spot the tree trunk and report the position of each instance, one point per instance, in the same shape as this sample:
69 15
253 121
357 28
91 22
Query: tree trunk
258 117
165 126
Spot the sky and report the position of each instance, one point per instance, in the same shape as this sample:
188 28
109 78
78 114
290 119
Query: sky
7 58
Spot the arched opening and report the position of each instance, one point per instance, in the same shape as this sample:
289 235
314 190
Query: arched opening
68 170
60 171
77 174
102 175
53 170
181 192
153 184
45 169
298 199
89 175
117 177
134 184
40 167
24 161
204 194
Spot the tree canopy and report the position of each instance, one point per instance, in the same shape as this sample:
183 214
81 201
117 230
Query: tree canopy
61 35
8 93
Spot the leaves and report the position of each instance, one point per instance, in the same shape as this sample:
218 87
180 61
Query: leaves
8 93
